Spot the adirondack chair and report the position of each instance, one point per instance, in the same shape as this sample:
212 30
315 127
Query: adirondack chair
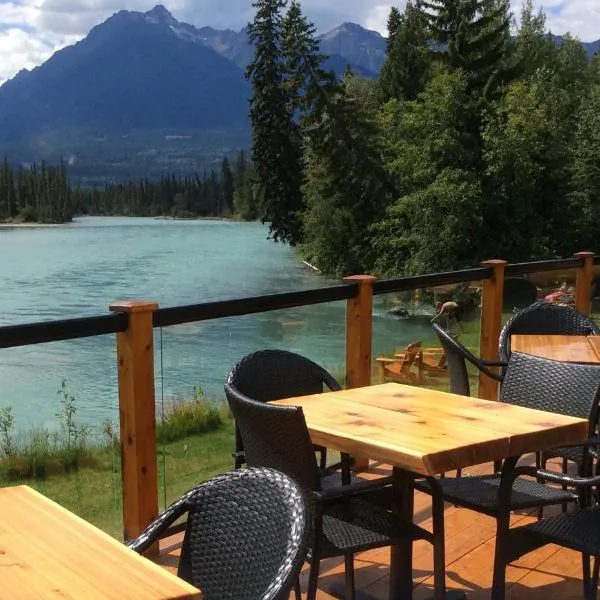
399 368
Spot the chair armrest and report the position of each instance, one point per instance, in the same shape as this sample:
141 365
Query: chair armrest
493 363
154 531
352 489
561 478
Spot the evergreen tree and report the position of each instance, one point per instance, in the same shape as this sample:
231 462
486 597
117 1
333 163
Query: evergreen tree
347 188
275 148
227 187
404 73
473 35
533 48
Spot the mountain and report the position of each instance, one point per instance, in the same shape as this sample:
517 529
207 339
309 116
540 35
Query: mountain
359 46
144 93
590 47
131 72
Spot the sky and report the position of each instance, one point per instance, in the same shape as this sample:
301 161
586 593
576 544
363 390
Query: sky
32 30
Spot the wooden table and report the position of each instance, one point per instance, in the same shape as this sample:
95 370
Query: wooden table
427 432
567 348
48 552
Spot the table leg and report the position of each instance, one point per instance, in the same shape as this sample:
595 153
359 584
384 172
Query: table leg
401 583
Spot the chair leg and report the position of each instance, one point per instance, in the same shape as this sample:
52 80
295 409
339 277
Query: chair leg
458 472
297 589
587 576
323 459
540 463
565 469
349 576
595 574
313 579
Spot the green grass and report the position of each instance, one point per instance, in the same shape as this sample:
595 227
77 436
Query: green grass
93 491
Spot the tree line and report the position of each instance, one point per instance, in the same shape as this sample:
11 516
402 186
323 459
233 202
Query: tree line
472 144
43 194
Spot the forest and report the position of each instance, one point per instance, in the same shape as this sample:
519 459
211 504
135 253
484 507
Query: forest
43 194
480 139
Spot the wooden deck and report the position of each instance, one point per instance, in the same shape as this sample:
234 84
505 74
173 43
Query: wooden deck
550 573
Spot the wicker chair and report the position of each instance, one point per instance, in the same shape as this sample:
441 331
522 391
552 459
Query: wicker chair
544 317
273 374
345 521
246 536
579 530
535 383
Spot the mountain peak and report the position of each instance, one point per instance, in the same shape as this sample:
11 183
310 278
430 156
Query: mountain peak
159 11
159 14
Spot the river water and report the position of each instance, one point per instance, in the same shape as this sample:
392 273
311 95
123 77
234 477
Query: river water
79 269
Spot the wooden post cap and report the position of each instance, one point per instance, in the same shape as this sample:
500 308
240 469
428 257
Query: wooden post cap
359 279
134 306
584 254
494 262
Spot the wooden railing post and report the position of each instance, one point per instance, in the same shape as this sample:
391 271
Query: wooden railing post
359 340
583 284
137 415
491 322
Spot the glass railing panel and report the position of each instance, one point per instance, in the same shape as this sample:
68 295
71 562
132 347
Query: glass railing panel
193 361
556 286
402 326
59 424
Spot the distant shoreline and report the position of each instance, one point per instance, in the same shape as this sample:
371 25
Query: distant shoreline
9 225
167 218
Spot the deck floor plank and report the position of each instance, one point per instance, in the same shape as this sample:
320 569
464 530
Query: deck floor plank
550 573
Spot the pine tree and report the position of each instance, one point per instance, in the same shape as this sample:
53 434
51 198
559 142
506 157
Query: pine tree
275 149
473 35
227 188
405 70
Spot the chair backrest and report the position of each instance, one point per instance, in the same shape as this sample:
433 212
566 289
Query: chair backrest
571 389
544 317
456 357
273 374
275 436
246 536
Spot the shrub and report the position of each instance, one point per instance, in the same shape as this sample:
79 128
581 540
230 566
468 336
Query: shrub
188 417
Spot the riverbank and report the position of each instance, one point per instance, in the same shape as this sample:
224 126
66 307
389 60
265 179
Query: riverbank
93 491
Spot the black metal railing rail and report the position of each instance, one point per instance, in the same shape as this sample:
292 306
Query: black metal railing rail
67 329
542 266
56 331
164 317
403 284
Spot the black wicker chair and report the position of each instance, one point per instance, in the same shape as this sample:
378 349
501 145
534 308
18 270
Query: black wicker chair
544 317
274 374
246 537
579 530
345 521
541 384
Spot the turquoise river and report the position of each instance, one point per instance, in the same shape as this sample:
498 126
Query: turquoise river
79 269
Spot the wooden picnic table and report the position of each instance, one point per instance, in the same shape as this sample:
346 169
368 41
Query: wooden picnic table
48 552
566 348
427 432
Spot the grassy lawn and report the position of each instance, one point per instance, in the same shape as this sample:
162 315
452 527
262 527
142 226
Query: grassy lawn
93 491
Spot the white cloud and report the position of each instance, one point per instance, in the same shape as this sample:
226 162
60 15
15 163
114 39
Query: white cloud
31 30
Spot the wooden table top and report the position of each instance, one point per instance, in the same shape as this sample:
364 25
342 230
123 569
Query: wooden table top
48 552
567 348
429 432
